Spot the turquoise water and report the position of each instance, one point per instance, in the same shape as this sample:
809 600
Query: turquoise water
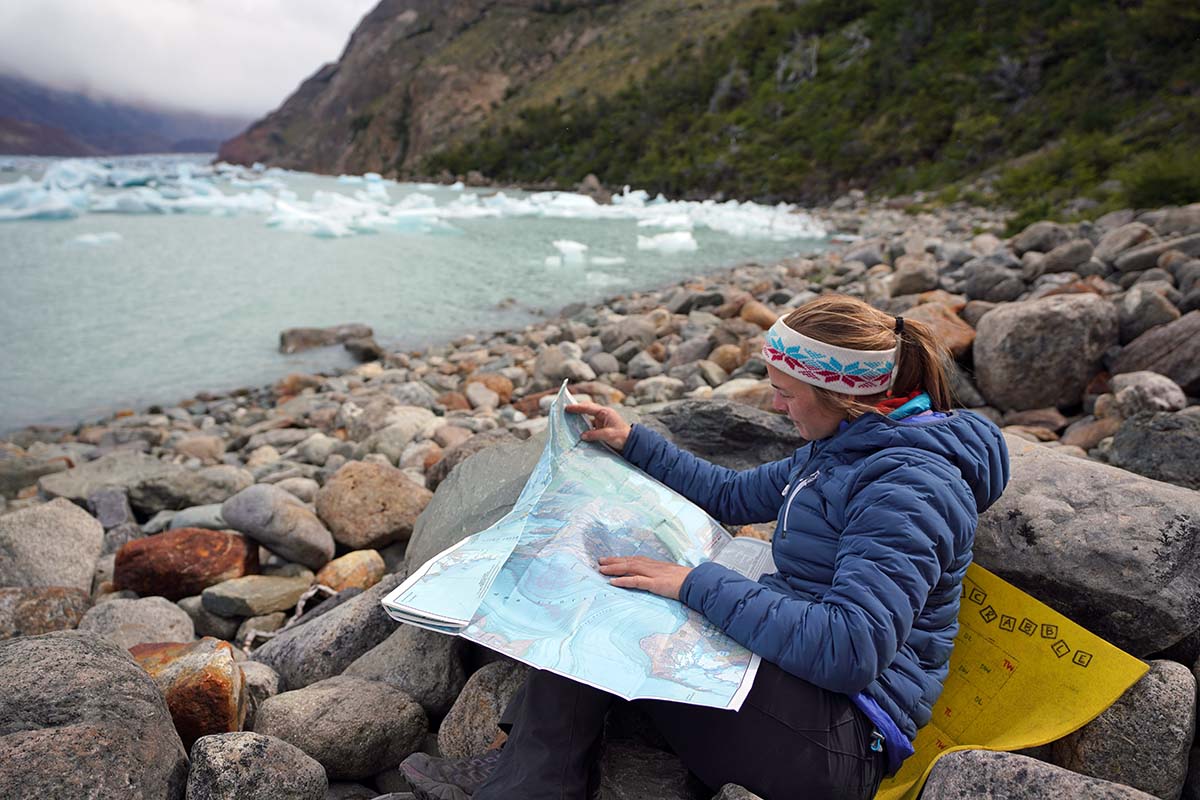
183 302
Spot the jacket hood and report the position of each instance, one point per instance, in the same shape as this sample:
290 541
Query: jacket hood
967 440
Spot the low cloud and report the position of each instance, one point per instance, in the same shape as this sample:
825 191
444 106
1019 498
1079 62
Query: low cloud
219 56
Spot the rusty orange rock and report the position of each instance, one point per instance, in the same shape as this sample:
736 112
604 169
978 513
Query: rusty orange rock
727 356
183 562
499 384
947 327
203 685
759 314
454 401
360 569
29 611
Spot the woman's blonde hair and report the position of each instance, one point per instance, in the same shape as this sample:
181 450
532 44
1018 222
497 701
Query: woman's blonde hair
848 322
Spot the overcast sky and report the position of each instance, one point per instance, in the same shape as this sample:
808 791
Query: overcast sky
222 56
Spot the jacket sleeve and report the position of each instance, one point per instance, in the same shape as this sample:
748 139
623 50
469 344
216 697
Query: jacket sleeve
733 497
898 531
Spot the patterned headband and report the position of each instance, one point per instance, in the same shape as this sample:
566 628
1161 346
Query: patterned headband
839 369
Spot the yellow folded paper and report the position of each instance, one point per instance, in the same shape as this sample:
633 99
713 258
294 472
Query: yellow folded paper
1021 675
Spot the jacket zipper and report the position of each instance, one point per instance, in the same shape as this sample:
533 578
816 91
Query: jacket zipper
799 484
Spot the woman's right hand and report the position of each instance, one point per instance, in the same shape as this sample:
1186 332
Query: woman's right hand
607 425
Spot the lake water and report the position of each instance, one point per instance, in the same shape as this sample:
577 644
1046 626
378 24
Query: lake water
147 279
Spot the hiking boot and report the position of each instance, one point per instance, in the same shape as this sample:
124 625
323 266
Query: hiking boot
435 778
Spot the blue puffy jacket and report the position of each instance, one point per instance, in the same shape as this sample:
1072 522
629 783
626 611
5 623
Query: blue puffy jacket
874 534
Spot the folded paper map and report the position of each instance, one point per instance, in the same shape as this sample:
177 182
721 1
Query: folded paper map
529 586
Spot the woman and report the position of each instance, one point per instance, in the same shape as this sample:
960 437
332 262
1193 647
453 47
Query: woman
875 519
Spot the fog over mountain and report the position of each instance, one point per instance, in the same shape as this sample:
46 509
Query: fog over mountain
224 57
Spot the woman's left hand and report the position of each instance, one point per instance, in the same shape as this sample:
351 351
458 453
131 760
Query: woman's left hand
638 572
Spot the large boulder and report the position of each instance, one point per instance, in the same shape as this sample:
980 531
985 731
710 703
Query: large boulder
323 646
1160 445
121 468
1109 549
183 562
481 490
989 775
127 622
369 505
1043 352
471 725
295 340
280 523
1146 256
458 453
1142 740
352 726
182 488
1172 350
251 766
425 665
727 433
29 611
202 682
79 718
53 544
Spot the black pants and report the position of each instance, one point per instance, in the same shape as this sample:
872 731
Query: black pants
790 739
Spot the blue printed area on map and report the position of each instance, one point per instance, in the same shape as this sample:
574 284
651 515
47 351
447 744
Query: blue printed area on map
550 607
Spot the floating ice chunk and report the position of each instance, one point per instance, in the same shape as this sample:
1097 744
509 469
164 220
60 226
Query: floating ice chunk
606 261
679 222
417 200
352 180
673 242
94 239
372 177
635 198
25 199
572 252
74 174
457 186
604 279
292 218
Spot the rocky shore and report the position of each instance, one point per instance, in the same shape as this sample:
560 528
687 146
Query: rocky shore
189 596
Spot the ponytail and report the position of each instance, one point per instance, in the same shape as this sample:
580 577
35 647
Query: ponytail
848 322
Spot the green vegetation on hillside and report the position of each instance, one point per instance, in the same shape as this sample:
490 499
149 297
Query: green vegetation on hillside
1031 103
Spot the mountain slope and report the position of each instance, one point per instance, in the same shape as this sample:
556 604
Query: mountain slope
418 75
1052 106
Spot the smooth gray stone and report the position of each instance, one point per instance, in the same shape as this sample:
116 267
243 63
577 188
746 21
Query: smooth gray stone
470 726
727 433
254 595
110 505
323 647
184 488
281 523
121 535
52 544
207 623
129 622
262 682
121 468
251 766
988 775
426 665
354 727
206 516
80 718
1052 533
1143 739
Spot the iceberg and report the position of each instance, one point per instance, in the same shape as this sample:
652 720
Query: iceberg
673 242
72 187
93 239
